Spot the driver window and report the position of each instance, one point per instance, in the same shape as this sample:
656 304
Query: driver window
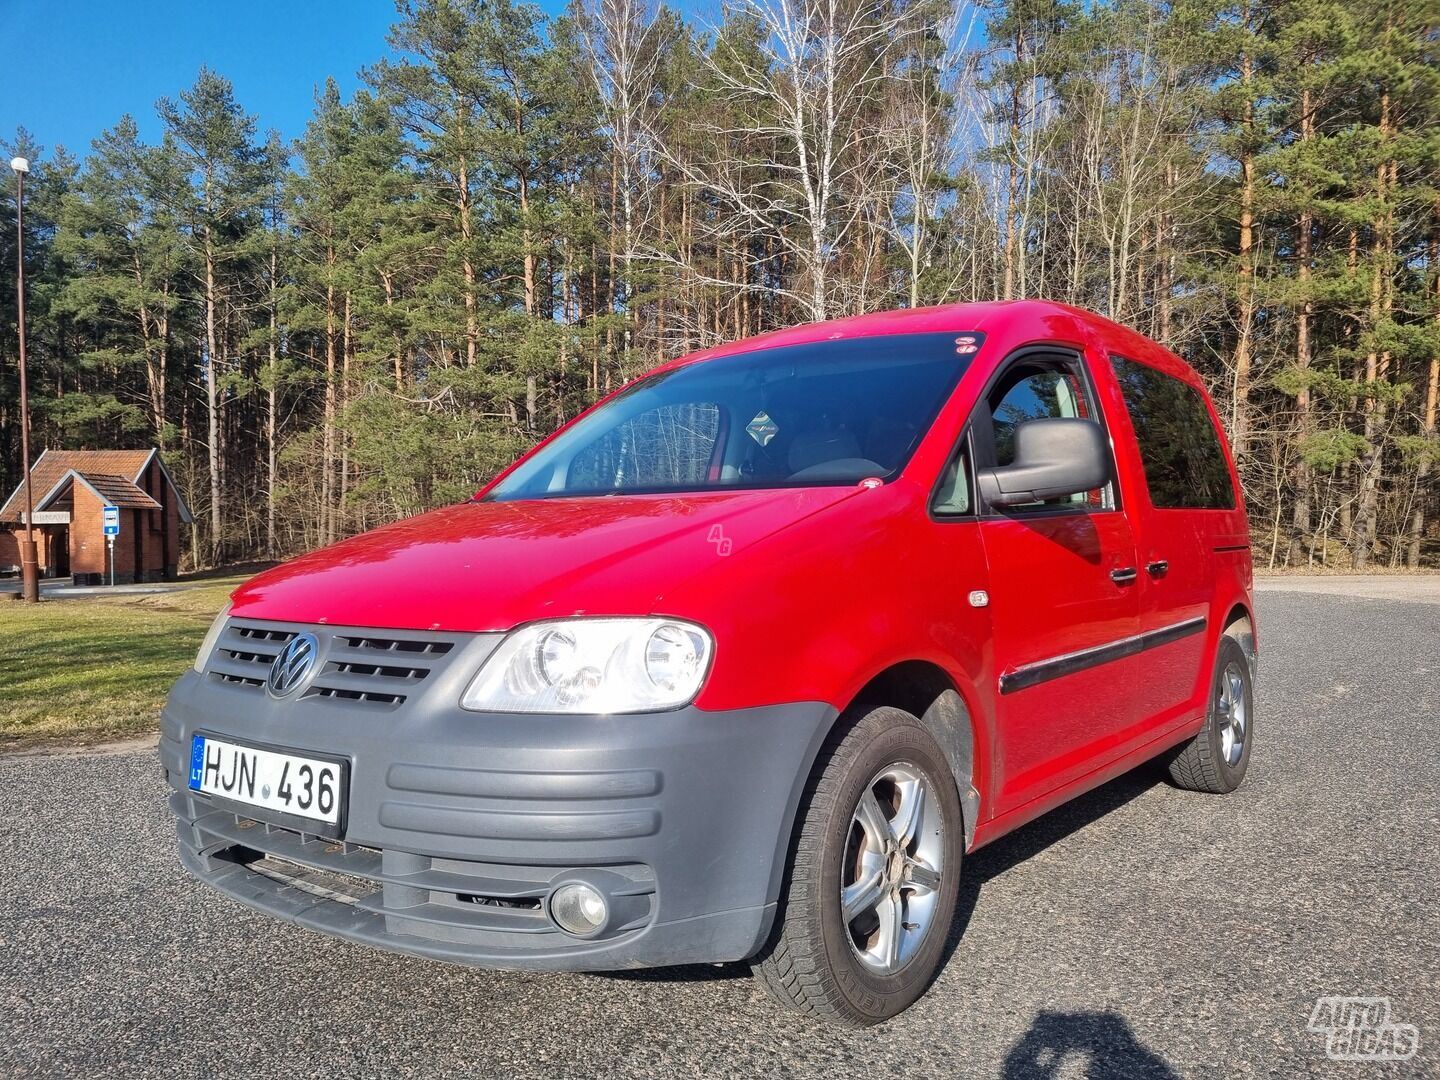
1040 391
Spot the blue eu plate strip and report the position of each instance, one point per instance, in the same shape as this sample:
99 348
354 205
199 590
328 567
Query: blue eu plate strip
197 761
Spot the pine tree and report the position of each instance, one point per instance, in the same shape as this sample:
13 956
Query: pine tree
220 209
121 243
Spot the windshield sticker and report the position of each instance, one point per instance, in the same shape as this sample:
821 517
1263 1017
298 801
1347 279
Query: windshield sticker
762 429
965 344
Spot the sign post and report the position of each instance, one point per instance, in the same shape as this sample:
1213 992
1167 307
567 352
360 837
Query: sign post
112 530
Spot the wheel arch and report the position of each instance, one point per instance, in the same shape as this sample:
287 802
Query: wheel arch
1239 623
927 691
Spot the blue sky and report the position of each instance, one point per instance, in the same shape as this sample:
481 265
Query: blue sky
73 67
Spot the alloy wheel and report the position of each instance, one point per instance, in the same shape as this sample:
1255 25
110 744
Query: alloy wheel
893 860
1232 713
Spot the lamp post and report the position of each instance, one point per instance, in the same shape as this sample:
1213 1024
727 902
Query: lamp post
29 564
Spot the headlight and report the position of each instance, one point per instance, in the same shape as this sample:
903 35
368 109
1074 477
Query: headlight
207 646
593 666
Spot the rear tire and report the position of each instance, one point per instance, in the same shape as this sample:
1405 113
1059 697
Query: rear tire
1216 759
879 832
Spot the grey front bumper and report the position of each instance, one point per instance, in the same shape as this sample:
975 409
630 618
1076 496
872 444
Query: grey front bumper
459 824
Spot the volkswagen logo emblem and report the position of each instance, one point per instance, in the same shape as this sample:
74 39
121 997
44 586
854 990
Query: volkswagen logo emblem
293 666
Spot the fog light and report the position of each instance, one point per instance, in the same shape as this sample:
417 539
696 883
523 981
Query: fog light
578 908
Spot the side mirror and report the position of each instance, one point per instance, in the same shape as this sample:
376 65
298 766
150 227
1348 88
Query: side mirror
1054 457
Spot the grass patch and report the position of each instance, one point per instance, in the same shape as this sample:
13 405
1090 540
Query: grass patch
83 670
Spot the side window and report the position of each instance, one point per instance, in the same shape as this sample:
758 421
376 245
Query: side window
1179 446
952 497
1036 396
1037 391
670 446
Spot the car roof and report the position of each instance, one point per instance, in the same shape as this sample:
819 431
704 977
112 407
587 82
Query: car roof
990 317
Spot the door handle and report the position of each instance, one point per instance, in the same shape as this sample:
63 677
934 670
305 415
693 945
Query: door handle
1158 568
1124 576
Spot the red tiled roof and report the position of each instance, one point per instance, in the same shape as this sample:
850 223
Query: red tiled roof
117 491
52 465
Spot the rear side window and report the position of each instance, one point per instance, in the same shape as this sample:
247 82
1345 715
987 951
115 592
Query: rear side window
1179 446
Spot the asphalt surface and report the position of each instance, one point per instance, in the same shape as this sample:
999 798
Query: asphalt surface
65 589
1141 931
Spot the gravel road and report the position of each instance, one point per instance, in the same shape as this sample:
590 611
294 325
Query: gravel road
1141 931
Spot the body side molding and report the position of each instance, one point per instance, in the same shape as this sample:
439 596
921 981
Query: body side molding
1056 667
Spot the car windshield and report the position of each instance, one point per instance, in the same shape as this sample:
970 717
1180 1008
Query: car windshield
825 413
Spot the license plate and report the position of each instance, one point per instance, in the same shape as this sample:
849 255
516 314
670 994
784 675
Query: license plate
272 779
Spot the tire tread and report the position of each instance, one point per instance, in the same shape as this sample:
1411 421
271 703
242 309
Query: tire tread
1195 766
792 966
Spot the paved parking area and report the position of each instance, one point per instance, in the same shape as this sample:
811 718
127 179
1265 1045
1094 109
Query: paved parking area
1139 932
66 589
1407 588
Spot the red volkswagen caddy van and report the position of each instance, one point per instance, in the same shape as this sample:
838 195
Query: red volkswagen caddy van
742 662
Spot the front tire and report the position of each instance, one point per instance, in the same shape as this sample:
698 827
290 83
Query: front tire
1216 759
873 877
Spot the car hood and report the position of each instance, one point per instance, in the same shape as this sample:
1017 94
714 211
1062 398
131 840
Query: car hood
484 566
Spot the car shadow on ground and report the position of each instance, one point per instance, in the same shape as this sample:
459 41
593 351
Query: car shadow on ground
987 863
1092 1045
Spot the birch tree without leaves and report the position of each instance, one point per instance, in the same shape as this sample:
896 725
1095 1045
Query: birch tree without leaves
814 95
623 42
921 140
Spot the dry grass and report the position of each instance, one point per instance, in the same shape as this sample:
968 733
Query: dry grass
83 670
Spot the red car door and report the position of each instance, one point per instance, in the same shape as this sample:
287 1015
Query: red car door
1063 596
1182 505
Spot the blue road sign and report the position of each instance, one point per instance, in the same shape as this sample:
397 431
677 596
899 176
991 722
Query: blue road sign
111 520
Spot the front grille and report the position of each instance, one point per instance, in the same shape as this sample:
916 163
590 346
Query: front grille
244 653
342 888
359 667
397 645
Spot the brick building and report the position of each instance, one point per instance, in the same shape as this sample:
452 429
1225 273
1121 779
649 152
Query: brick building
71 489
